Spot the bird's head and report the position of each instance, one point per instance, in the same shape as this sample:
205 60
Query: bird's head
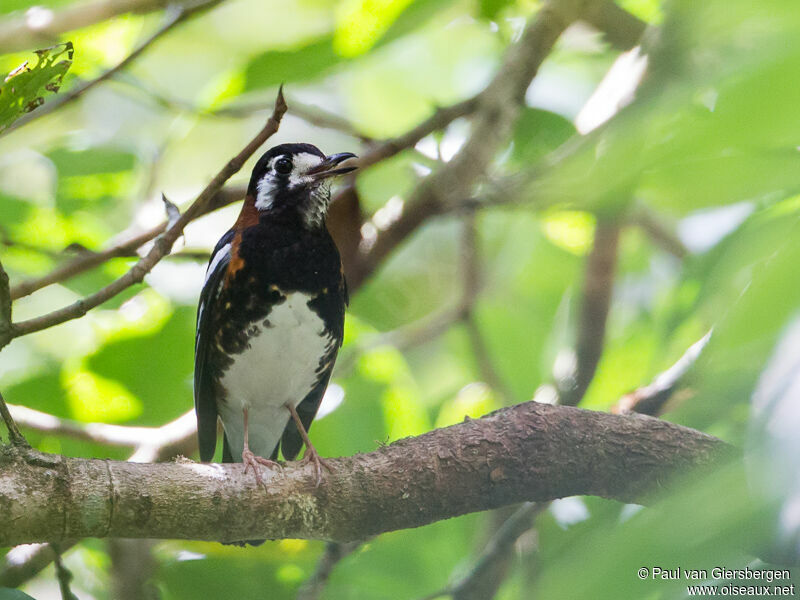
296 177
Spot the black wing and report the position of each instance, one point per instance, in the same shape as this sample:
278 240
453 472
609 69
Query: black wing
205 404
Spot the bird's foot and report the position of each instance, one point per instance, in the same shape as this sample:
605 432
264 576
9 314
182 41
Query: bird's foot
312 456
253 461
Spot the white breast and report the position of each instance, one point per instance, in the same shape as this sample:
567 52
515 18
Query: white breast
279 366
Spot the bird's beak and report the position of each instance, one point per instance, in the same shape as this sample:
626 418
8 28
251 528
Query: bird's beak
327 168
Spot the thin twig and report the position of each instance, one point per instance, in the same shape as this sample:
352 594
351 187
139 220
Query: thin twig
175 15
495 113
334 552
5 307
661 234
164 243
169 434
440 119
63 575
622 29
597 289
124 249
24 562
482 580
14 435
379 151
312 114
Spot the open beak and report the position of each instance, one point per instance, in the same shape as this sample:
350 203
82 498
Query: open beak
327 168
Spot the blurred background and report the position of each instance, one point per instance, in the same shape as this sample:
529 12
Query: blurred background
600 244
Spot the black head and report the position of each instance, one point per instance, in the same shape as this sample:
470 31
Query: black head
296 176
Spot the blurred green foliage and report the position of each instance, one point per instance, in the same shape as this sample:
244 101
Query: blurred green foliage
710 147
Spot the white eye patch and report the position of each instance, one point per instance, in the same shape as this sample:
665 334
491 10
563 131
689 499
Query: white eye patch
301 164
266 191
269 184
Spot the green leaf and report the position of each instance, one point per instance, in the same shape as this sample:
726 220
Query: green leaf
490 9
25 87
361 24
275 67
94 160
322 54
537 133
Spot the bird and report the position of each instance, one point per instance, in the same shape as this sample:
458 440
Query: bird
270 318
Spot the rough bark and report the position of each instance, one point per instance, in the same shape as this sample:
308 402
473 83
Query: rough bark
531 451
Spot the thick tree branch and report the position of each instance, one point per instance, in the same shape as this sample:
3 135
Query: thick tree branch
152 444
528 452
164 243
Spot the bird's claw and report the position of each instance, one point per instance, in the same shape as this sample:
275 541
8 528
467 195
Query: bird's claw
253 461
312 456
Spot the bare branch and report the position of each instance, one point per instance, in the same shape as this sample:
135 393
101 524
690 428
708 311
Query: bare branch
310 113
597 289
485 577
164 243
14 434
63 575
496 111
127 248
152 444
5 308
622 29
167 436
528 452
440 119
649 222
26 561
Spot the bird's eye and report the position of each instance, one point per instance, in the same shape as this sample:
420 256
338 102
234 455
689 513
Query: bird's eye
283 165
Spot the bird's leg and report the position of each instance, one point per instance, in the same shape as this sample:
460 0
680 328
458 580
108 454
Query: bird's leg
311 454
251 460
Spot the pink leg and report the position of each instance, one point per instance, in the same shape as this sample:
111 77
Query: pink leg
253 461
311 454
